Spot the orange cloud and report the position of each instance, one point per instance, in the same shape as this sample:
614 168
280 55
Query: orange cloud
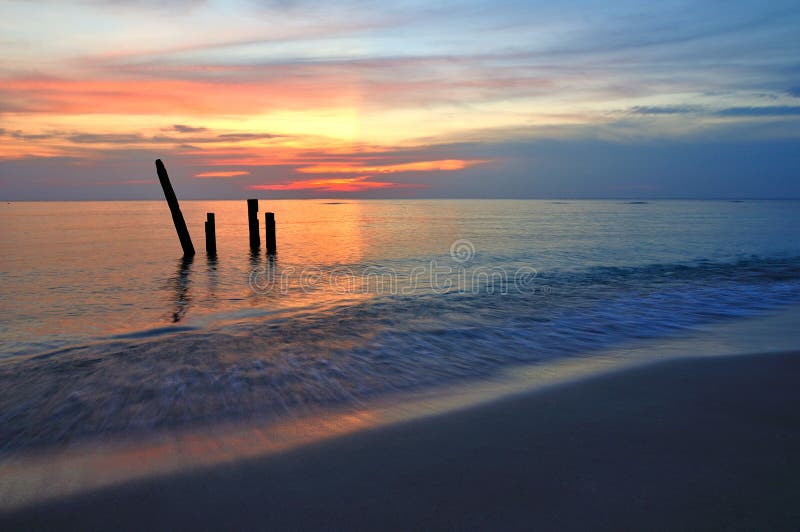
342 184
419 166
362 182
196 97
233 173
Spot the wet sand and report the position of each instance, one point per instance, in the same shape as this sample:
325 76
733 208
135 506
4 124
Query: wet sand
697 443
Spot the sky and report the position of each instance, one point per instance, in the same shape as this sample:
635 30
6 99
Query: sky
469 99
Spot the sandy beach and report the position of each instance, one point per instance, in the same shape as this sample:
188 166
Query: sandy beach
707 443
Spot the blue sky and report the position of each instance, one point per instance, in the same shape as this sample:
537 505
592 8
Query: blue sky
412 99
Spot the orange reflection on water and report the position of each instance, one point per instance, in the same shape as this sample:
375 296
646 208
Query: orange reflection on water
331 234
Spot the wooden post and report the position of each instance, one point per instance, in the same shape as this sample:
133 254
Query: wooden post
174 208
269 229
252 220
211 235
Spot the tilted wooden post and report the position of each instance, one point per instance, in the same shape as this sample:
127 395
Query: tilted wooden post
269 229
211 235
174 208
252 220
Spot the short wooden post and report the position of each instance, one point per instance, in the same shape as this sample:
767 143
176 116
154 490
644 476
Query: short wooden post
175 210
269 229
211 235
252 220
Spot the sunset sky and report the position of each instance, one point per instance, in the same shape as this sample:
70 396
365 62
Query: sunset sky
295 98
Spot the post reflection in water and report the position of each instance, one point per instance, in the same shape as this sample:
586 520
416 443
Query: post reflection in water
332 238
213 276
181 284
255 258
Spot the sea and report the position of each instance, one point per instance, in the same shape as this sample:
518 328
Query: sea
107 332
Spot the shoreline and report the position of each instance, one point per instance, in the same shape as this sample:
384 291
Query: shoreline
706 442
38 476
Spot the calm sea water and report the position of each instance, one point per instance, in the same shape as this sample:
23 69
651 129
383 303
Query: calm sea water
104 329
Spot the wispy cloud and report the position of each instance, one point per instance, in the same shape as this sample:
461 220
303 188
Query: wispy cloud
200 136
124 182
775 110
416 166
231 173
20 135
180 128
664 109
339 184
732 112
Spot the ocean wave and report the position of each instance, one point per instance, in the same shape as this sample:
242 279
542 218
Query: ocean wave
279 364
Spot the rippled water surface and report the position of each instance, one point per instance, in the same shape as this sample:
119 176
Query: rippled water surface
105 329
